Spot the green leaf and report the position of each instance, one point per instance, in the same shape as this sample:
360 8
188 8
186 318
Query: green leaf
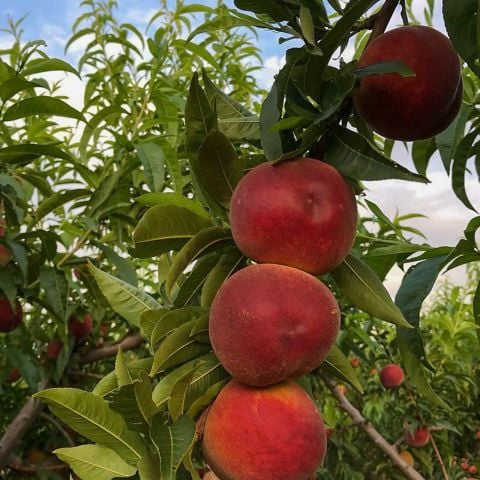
338 365
55 286
274 9
12 86
95 461
164 228
461 21
392 66
177 348
307 25
152 158
173 442
42 65
41 106
27 152
422 152
360 284
416 285
121 369
175 199
149 466
355 157
219 167
201 244
149 319
90 416
476 309
129 302
178 396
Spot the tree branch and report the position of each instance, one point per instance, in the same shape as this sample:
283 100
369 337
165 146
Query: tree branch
59 427
107 351
382 19
370 430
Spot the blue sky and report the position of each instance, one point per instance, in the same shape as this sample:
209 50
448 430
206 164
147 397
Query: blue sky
52 20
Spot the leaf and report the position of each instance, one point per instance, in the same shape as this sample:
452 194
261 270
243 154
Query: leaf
338 365
12 86
91 417
392 66
149 467
274 9
55 286
177 348
354 157
175 199
219 167
152 158
27 152
41 106
178 395
201 244
121 369
307 25
129 302
149 319
42 65
360 284
416 285
476 309
164 228
422 152
461 21
95 461
173 442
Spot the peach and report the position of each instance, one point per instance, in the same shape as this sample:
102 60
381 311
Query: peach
5 256
407 457
210 476
301 213
14 375
54 348
270 433
272 322
80 328
419 438
10 319
391 376
415 107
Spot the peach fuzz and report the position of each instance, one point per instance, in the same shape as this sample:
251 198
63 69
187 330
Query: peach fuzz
415 107
270 433
301 213
271 322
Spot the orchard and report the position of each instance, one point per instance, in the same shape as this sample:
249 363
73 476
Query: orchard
195 280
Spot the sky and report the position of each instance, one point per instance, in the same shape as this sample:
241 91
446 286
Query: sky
51 20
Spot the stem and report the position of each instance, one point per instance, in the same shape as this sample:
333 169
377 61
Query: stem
128 343
59 427
440 459
370 430
77 247
382 19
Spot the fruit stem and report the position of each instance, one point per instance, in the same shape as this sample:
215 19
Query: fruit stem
371 431
382 19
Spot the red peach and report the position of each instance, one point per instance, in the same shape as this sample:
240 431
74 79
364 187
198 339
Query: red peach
419 439
54 348
415 107
14 375
9 319
271 322
391 376
80 328
477 435
473 469
329 432
464 466
5 256
355 362
301 213
270 433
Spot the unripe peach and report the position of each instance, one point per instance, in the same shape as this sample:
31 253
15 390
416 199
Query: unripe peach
270 433
14 375
301 213
271 322
419 438
54 348
391 376
415 107
407 457
80 328
5 256
9 319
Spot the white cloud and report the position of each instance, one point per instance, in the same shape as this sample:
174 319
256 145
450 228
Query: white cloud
272 65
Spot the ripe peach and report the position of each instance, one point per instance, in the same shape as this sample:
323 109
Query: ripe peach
419 439
9 319
407 457
473 469
271 322
416 107
301 213
355 362
14 375
465 466
391 376
54 348
477 435
80 328
270 433
5 256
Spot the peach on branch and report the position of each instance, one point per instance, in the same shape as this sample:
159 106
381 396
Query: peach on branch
301 213
5 256
272 322
54 348
391 376
80 328
411 107
10 318
14 375
417 439
270 433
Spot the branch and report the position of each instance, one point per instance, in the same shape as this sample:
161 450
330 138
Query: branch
128 343
439 457
370 430
59 427
20 425
58 467
382 19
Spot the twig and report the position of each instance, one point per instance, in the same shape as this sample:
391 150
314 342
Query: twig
370 430
107 351
382 19
440 459
77 247
20 425
79 373
35 470
59 427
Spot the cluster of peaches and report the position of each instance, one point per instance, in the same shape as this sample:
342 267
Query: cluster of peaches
275 320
